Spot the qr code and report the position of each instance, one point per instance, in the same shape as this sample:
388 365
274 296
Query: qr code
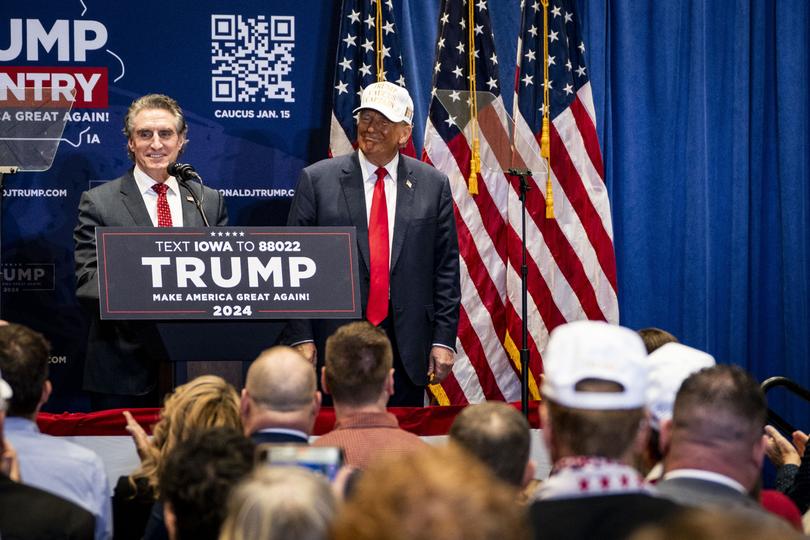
252 58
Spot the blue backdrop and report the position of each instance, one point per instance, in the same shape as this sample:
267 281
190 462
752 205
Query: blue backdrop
703 112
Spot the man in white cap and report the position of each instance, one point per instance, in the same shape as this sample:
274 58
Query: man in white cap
406 240
668 366
594 422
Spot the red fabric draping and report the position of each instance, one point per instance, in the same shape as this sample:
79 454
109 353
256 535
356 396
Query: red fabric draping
422 421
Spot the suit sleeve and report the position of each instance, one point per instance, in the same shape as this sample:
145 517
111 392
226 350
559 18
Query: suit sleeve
446 286
303 213
84 238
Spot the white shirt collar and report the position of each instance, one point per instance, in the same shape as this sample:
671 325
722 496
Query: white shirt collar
370 170
709 476
145 182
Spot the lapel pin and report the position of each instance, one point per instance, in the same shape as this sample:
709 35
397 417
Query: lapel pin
189 198
408 183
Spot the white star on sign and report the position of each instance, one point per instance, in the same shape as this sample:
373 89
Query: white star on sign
530 55
568 89
346 64
354 16
492 83
350 41
581 71
365 69
388 27
451 121
527 80
457 72
342 88
556 11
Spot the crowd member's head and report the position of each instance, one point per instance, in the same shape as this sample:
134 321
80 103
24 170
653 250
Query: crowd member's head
668 366
384 121
280 503
498 435
594 392
24 363
280 392
197 479
717 425
202 403
358 366
156 134
654 338
702 524
8 460
438 494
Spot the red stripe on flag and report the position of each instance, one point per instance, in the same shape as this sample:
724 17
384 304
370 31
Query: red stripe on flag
567 260
587 130
478 359
453 390
538 288
571 183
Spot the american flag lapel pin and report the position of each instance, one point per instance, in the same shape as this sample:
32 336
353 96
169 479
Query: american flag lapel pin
409 183
189 198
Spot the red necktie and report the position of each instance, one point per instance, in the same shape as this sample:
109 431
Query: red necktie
163 213
377 308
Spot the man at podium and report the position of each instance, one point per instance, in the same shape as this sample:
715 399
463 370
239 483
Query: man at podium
406 240
123 357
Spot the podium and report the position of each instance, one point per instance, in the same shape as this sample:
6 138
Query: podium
219 296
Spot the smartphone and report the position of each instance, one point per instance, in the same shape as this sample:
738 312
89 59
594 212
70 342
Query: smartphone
326 460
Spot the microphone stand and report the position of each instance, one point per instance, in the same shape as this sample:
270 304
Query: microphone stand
523 174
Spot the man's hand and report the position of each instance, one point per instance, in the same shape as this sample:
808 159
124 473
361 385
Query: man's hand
779 449
308 351
800 441
440 364
139 436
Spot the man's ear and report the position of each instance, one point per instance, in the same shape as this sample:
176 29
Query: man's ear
665 437
47 388
405 135
389 383
324 386
244 404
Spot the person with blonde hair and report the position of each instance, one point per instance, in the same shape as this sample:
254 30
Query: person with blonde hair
280 503
205 402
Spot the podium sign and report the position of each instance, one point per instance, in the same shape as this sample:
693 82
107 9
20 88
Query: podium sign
228 273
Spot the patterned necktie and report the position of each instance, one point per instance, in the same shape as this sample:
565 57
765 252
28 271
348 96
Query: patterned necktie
377 308
164 215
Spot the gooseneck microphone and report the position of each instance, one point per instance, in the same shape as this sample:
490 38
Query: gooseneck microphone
184 173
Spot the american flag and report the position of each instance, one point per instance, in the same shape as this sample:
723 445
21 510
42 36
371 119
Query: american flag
571 265
356 66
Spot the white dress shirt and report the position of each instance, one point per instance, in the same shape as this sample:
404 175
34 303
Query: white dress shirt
150 197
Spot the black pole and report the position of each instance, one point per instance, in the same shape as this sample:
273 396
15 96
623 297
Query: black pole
523 175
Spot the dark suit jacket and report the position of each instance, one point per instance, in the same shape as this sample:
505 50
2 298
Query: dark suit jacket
122 355
705 493
606 517
425 290
30 513
271 437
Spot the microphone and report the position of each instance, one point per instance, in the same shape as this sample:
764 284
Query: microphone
182 171
185 172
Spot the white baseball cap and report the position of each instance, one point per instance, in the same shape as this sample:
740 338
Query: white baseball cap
5 390
388 99
584 350
669 366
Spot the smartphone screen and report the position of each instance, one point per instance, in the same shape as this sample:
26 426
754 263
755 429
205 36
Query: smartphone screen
326 460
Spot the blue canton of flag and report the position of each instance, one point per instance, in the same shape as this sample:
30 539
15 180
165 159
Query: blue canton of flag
356 66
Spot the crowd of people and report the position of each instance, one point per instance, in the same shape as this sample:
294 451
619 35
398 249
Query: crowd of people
649 440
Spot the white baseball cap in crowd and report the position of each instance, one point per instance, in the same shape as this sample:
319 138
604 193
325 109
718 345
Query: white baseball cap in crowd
5 391
669 366
588 350
388 99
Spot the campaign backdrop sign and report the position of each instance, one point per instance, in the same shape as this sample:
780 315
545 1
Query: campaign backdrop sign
227 272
